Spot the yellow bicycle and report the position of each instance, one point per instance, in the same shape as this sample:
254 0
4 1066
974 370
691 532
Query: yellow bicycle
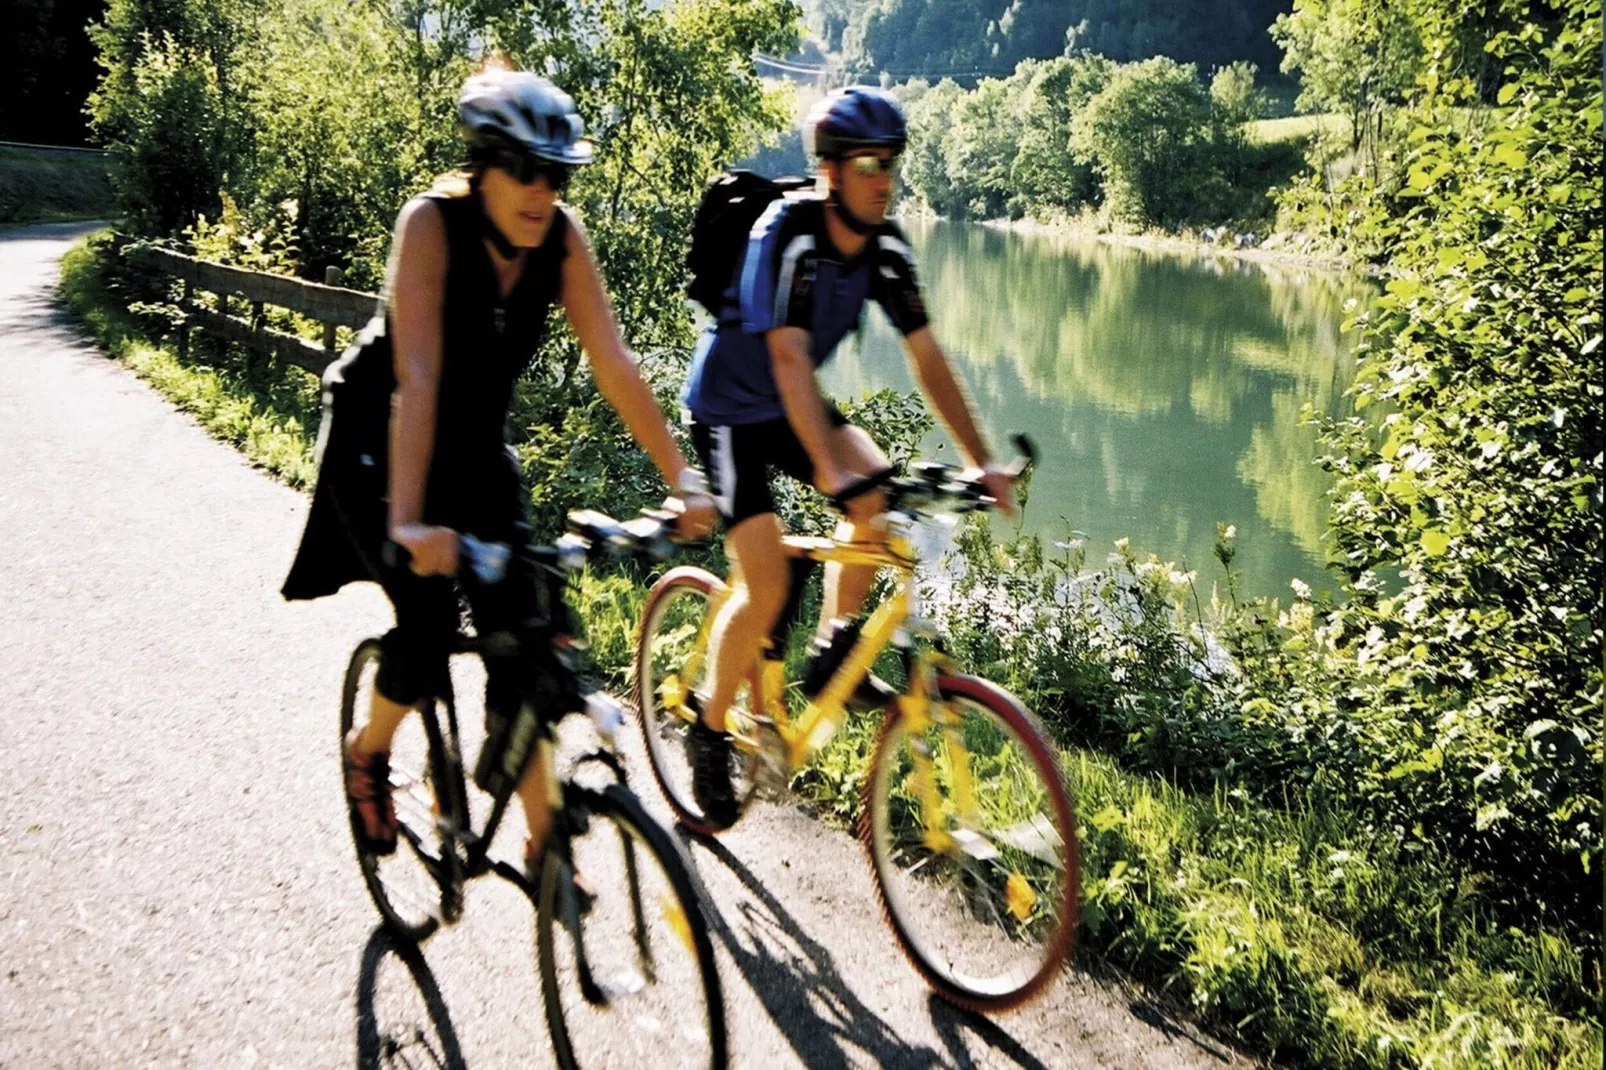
966 815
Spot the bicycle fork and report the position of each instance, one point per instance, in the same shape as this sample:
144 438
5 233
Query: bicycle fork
921 710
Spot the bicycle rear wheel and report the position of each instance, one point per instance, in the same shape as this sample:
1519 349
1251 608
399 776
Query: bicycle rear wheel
671 660
422 881
656 998
972 837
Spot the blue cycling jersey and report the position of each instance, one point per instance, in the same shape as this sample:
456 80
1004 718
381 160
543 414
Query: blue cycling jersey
792 276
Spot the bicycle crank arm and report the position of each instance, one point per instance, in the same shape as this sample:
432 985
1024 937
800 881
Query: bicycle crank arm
569 903
513 875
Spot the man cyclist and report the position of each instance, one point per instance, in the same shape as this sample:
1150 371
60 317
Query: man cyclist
810 265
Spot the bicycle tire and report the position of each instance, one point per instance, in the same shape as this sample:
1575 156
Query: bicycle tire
1028 893
665 732
421 882
646 1024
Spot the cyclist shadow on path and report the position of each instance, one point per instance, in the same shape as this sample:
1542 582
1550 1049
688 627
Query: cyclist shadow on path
391 1026
794 977
952 1022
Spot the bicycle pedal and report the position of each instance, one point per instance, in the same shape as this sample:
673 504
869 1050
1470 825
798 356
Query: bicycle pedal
974 844
772 777
621 987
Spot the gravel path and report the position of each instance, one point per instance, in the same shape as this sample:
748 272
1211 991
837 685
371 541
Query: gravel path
176 879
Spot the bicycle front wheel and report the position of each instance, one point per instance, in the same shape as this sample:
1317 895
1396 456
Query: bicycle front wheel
671 662
972 837
629 977
421 881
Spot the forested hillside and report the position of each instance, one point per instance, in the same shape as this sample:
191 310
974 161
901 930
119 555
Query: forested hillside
933 38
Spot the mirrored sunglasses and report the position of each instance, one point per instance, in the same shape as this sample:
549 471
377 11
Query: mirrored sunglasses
871 166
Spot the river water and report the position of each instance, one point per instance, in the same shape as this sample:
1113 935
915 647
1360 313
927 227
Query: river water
1164 391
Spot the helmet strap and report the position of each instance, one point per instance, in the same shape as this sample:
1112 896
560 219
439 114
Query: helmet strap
506 249
849 220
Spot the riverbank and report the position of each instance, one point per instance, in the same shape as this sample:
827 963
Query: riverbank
1281 248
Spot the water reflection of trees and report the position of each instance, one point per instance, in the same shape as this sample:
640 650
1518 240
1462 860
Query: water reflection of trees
1175 384
1130 329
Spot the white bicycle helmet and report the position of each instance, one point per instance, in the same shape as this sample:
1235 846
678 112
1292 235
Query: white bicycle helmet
522 111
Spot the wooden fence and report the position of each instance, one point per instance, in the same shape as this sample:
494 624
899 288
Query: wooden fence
330 304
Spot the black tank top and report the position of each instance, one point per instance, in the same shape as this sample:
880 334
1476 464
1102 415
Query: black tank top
473 483
487 342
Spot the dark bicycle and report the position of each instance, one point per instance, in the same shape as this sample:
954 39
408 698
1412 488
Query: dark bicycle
626 964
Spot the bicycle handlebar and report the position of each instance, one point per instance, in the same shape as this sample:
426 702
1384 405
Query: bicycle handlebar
932 483
590 534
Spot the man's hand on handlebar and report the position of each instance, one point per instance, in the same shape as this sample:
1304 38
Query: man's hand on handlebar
693 506
999 482
432 550
696 515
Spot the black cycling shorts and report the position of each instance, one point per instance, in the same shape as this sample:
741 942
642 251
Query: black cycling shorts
738 460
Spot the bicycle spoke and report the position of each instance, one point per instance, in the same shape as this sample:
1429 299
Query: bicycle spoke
964 828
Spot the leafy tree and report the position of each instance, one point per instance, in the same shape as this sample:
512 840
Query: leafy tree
925 162
1355 57
981 145
1148 129
172 103
1048 173
975 38
1235 97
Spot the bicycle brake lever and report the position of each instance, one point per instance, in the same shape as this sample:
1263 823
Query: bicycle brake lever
1028 454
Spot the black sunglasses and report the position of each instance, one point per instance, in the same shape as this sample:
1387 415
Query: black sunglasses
525 169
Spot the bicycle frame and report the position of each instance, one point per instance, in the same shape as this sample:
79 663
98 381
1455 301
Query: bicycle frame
820 719
566 821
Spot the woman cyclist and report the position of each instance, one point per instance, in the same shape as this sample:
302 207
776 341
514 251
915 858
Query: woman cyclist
413 449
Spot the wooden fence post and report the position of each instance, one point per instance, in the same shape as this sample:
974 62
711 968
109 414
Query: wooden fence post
253 356
331 277
184 322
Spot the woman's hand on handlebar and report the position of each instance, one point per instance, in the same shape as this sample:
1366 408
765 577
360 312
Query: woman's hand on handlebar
433 549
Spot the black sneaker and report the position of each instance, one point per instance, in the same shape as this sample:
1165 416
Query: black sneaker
826 657
710 755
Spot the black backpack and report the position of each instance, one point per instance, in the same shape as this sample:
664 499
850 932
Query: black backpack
730 206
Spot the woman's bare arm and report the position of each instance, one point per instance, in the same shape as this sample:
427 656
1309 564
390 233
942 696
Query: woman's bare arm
416 293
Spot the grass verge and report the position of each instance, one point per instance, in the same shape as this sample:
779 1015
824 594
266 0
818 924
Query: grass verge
1285 931
46 186
270 415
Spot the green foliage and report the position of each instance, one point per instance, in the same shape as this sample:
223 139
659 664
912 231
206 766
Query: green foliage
1353 56
1145 140
1147 128
1236 99
1479 487
169 105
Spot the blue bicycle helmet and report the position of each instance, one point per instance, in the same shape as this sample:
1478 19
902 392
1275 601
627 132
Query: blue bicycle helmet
857 117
